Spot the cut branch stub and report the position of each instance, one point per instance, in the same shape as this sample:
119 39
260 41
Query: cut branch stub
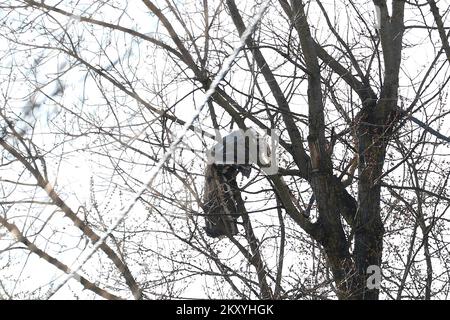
314 149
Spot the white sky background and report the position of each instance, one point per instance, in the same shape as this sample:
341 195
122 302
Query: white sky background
80 167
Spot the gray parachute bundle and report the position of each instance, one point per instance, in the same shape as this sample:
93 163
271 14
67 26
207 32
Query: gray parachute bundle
231 156
241 148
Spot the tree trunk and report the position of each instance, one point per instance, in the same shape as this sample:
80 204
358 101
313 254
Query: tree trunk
368 229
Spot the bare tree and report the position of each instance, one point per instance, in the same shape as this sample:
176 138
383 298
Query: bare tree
93 94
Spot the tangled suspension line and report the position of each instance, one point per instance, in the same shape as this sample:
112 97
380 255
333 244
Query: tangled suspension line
154 172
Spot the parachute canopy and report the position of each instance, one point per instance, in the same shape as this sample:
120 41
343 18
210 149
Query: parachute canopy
241 148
